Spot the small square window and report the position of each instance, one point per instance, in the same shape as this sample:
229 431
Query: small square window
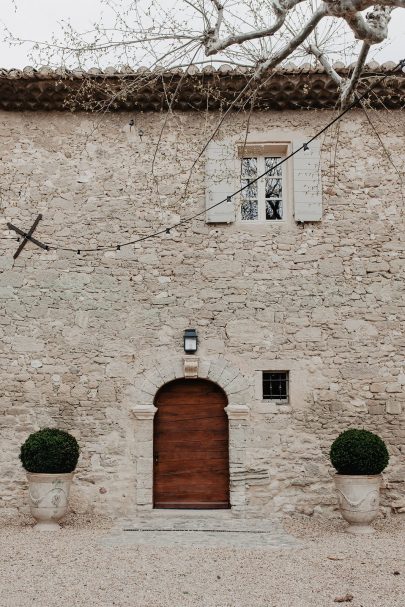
275 385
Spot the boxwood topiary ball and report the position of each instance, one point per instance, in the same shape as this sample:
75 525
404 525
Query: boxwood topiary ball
50 451
359 452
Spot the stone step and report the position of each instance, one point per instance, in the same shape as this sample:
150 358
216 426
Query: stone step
198 524
188 520
172 518
192 528
188 512
202 538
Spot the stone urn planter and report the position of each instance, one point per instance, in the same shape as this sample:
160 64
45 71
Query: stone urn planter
49 457
359 500
359 457
48 498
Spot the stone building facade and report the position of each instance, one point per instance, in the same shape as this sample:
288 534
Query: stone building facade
89 338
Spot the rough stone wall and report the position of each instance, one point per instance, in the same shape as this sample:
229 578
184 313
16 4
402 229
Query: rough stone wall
78 332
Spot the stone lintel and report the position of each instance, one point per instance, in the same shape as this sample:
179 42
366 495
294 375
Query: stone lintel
144 411
237 411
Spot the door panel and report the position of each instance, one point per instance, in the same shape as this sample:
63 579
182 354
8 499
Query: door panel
191 461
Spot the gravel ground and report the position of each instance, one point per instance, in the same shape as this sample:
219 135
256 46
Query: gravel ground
72 568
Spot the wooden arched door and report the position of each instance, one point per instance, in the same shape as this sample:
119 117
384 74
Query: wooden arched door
191 461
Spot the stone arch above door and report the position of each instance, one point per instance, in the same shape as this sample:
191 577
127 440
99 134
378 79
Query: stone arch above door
219 371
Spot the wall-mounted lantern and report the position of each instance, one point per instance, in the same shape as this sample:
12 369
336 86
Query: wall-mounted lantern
190 341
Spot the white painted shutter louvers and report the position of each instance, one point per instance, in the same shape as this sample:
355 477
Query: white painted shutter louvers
222 170
307 181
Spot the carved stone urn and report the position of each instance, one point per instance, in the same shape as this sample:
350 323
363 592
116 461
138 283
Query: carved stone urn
359 456
48 498
49 457
359 500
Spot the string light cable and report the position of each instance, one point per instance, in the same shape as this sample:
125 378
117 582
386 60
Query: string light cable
227 199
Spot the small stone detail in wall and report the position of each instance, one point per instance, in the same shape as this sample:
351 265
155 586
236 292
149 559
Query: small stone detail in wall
191 367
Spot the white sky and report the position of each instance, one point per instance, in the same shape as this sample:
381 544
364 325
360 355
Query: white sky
38 19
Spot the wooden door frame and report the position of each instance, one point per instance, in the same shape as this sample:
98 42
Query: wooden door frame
237 391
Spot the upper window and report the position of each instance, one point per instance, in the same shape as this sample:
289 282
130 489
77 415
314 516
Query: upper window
286 192
262 200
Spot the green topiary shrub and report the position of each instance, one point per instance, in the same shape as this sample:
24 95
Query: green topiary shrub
359 452
50 451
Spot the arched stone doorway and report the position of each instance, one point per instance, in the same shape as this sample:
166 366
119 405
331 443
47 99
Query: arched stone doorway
191 446
238 392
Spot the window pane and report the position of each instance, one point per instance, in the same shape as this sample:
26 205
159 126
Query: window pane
249 210
249 167
270 162
251 189
249 203
273 188
274 209
275 385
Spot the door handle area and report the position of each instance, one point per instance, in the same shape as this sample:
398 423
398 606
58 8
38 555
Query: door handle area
156 458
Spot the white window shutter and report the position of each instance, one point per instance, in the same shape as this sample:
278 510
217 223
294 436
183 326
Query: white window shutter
222 178
307 181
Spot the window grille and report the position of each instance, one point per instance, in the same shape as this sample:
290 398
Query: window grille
275 385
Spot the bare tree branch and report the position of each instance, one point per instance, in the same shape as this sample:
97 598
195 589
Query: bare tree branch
384 148
373 29
214 45
393 3
199 10
347 91
325 64
212 33
294 43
